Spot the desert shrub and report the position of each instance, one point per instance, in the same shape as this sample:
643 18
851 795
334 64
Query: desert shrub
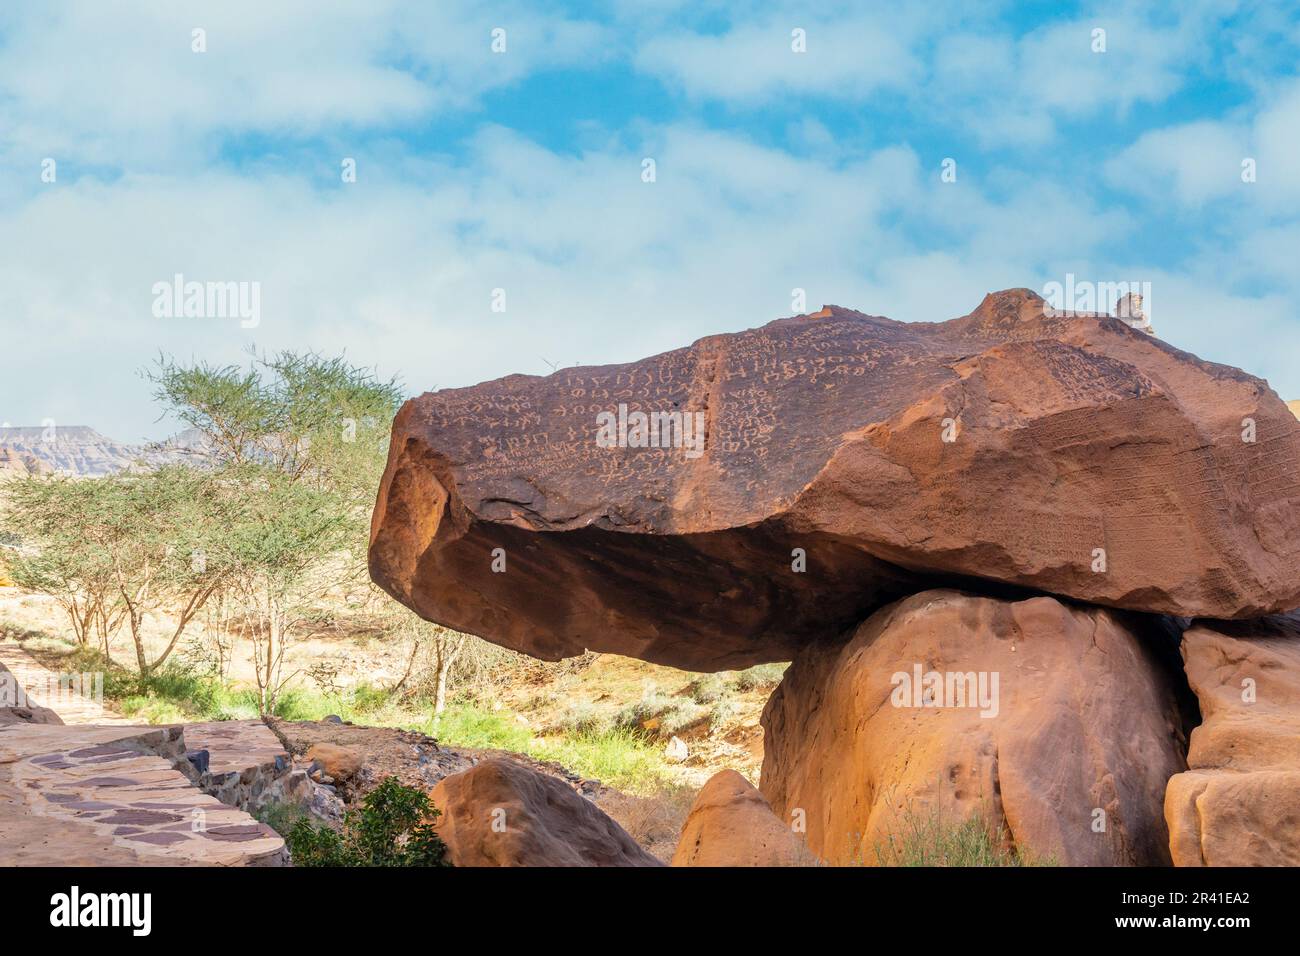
582 717
724 712
659 714
706 688
393 828
653 819
82 659
759 676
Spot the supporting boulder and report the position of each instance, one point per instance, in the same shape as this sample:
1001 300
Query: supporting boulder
1238 804
499 813
1053 724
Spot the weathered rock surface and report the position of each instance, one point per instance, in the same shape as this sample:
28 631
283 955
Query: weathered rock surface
501 515
1081 726
730 824
1238 804
499 813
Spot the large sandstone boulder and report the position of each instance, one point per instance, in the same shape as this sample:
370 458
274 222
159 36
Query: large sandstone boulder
1056 725
499 813
1238 804
1073 455
730 824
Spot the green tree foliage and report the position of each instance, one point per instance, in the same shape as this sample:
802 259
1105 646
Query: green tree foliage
394 827
115 550
45 518
301 440
270 514
315 419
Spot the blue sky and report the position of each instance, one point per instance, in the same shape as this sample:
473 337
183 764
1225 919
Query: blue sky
522 170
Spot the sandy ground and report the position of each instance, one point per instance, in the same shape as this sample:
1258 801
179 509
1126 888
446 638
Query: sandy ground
357 655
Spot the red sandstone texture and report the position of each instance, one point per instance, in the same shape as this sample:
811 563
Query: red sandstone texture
731 824
1057 726
1238 804
500 813
1075 440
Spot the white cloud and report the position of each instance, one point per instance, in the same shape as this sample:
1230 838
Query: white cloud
1201 161
844 59
598 266
118 83
1142 62
1195 161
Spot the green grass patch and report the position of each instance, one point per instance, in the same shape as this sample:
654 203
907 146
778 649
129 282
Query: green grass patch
178 694
617 757
928 838
465 725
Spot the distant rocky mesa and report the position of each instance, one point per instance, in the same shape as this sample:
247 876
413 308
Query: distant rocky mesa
20 463
80 450
848 460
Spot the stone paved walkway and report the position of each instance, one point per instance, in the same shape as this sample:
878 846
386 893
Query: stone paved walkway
86 795
42 688
97 790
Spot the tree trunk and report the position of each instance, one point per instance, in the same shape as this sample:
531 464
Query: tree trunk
139 646
446 660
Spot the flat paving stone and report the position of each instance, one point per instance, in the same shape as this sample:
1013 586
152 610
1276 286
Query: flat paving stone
58 807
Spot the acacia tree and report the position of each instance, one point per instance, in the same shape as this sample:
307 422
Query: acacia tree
435 651
281 545
53 522
168 552
298 442
119 549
